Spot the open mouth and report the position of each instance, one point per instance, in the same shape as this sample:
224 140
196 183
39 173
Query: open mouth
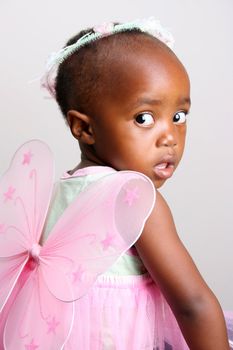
164 170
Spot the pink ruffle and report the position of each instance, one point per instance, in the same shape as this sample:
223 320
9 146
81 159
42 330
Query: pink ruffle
124 313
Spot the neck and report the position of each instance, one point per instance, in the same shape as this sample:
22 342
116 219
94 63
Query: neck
87 161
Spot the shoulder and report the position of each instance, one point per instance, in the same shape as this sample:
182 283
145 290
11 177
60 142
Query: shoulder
159 242
160 220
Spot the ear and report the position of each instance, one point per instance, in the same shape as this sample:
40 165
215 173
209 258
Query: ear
80 126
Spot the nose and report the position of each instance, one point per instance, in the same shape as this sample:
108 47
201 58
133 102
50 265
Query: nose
167 136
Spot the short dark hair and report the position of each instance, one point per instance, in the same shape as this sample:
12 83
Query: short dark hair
83 77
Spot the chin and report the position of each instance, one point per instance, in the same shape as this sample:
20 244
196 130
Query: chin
159 183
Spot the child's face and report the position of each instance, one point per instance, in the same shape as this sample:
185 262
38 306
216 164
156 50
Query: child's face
141 125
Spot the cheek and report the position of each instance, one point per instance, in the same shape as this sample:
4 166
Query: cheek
109 147
181 141
182 133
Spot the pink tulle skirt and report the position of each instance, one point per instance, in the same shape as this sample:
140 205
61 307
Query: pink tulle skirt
125 313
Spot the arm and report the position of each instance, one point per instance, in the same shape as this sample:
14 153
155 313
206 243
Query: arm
195 307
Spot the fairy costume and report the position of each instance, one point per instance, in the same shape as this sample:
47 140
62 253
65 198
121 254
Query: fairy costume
80 285
124 309
40 281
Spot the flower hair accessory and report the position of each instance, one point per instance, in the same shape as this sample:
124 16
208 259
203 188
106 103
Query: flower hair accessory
150 26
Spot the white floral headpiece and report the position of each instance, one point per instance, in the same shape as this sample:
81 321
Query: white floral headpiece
150 26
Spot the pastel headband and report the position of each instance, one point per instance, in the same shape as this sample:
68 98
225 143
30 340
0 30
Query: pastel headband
150 26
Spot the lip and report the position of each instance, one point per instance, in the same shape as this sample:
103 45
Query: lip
165 167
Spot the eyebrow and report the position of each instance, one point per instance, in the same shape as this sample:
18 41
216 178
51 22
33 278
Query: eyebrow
157 102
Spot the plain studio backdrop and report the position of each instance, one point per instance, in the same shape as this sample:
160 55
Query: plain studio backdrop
201 191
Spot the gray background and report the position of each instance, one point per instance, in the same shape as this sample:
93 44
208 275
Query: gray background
201 192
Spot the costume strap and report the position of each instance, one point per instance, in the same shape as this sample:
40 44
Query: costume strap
150 26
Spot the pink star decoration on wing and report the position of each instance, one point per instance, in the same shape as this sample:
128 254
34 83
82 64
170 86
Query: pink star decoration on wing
27 158
108 241
9 194
131 195
77 275
31 346
52 325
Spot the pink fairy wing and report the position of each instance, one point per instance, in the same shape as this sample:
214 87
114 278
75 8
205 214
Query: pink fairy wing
37 319
10 269
100 225
25 191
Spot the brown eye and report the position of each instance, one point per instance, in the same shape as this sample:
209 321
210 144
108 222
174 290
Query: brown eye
180 117
144 119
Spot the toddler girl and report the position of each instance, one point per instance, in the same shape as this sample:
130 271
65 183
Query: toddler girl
125 96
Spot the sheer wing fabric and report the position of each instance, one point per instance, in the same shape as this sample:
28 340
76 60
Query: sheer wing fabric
40 284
